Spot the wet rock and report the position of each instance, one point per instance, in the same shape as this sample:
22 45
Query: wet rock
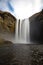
21 54
36 57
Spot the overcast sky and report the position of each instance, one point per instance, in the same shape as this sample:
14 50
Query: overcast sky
21 8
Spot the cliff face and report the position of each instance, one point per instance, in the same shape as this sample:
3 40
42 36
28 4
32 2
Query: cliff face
7 22
36 27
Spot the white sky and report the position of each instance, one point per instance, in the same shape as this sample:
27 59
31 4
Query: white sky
25 8
22 8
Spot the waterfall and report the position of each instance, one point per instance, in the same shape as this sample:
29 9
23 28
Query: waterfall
16 33
22 31
28 31
25 30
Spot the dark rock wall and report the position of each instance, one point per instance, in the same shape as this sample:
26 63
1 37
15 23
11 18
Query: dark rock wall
36 27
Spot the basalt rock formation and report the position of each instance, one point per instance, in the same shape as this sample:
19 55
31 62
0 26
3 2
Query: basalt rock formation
36 27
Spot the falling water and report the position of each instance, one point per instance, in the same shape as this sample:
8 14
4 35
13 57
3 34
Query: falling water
22 31
25 30
16 35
